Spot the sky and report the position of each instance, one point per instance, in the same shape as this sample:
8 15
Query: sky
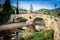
36 4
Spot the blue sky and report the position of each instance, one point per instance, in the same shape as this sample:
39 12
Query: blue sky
37 4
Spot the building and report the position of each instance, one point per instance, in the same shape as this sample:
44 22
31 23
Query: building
23 11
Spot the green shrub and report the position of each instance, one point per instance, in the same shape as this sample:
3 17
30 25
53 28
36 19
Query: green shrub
44 35
22 20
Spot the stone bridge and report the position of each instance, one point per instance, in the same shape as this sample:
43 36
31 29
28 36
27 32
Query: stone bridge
31 17
50 23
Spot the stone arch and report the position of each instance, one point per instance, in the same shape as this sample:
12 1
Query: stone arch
39 19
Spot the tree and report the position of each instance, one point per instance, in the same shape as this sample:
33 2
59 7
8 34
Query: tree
5 15
17 8
7 6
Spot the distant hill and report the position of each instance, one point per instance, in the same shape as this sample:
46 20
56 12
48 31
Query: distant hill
42 10
54 11
57 10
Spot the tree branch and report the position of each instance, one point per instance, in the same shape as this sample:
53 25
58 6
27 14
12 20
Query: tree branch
12 26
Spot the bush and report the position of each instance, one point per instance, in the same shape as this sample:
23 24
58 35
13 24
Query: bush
44 35
22 20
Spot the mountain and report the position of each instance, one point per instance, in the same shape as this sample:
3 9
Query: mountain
43 9
54 11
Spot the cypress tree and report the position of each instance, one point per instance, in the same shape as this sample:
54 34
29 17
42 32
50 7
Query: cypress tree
7 6
17 11
5 15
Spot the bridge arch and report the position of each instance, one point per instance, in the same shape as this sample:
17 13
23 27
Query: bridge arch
38 19
43 17
21 19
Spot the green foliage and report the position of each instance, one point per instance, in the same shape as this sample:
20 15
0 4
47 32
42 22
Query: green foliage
0 5
44 35
6 6
11 11
22 20
5 15
38 19
6 12
58 14
48 13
